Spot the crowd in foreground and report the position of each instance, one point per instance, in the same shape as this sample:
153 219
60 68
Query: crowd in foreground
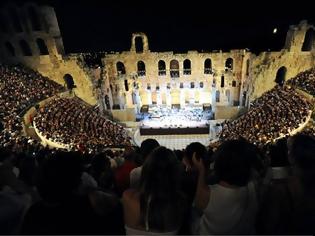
235 189
75 124
20 88
277 113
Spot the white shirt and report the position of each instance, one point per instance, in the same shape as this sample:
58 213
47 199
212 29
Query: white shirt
229 211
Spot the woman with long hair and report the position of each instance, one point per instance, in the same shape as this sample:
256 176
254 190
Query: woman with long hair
157 206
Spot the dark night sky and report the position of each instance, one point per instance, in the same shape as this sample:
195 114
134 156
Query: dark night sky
90 25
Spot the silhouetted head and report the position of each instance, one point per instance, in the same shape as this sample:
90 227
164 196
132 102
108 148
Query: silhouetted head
199 149
147 146
234 160
60 176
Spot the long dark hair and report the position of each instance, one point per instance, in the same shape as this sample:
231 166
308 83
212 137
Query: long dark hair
161 202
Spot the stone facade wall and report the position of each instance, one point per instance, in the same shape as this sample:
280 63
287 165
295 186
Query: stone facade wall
31 36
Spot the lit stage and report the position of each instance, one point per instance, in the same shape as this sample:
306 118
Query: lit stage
172 121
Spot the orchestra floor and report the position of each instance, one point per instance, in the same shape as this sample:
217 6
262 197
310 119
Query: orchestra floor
174 141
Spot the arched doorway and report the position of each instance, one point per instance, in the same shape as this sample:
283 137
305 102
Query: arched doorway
126 85
107 103
120 67
139 44
229 64
43 50
208 66
141 68
162 67
222 81
309 38
174 69
280 77
187 67
69 81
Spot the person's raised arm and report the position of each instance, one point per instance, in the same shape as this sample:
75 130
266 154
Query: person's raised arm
202 195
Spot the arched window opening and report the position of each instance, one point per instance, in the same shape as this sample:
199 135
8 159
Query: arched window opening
192 85
141 68
34 19
69 81
280 77
228 95
174 69
181 85
162 67
222 81
148 86
126 85
201 84
10 49
120 67
309 39
43 50
247 67
157 88
208 66
214 82
168 86
229 64
139 44
187 67
233 83
16 20
26 50
107 103
217 96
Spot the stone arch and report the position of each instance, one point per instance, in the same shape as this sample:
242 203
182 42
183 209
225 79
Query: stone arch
162 67
43 50
229 64
208 66
139 43
141 68
10 49
201 84
107 103
187 67
15 20
69 82
34 18
280 76
174 68
217 96
25 47
126 85
247 67
120 68
192 85
222 81
309 40
233 83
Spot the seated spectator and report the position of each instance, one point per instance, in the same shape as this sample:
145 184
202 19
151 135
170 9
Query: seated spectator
157 206
230 206
147 146
62 210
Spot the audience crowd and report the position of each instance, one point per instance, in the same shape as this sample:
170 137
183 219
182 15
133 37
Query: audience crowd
277 113
305 81
76 124
239 187
236 189
20 88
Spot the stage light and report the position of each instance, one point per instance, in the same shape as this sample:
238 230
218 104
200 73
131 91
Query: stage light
275 30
